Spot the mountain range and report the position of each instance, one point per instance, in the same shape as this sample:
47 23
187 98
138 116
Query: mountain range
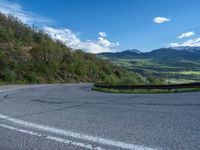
177 64
162 53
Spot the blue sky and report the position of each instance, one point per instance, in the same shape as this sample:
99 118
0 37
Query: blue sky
113 25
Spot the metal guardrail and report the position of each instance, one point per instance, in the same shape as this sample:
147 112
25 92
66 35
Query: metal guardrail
150 87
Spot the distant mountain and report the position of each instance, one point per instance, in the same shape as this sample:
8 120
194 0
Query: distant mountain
188 53
177 64
186 48
124 54
134 51
173 54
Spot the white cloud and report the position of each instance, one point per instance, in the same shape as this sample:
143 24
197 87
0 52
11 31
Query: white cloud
72 40
64 35
174 44
105 43
186 34
27 17
102 44
103 34
160 20
191 43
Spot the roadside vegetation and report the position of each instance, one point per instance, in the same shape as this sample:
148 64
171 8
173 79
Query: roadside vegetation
143 91
28 55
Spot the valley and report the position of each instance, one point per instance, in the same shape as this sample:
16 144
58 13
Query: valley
175 65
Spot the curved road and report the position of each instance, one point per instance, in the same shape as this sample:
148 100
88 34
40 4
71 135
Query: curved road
73 117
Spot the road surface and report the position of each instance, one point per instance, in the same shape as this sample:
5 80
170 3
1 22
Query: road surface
73 117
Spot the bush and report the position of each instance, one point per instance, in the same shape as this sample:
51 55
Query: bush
155 81
29 55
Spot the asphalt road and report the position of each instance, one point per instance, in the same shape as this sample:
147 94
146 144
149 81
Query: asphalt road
73 117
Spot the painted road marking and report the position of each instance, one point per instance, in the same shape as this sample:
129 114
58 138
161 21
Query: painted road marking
52 138
75 135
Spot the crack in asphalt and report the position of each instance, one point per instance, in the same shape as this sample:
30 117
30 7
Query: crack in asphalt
47 102
154 120
7 96
47 111
116 103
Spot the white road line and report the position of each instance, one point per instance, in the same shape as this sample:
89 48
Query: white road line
19 130
61 140
75 135
52 138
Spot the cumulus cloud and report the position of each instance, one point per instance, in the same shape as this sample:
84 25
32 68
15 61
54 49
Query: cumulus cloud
64 35
72 40
117 44
160 20
102 34
8 7
101 44
186 34
191 43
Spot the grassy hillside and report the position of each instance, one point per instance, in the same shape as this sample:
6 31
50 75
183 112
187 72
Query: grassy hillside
27 55
174 65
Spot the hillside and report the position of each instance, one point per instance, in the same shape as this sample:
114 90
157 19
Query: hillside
181 64
27 55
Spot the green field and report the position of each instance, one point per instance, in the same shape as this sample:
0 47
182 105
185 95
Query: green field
174 72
